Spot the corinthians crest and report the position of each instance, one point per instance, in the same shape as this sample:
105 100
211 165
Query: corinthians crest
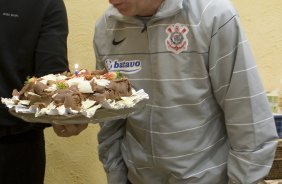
177 40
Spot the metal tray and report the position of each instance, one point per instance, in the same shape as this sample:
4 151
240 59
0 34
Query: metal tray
101 115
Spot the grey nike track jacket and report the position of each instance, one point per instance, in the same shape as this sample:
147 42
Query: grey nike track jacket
207 120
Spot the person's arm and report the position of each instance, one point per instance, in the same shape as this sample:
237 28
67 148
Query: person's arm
238 89
51 49
111 134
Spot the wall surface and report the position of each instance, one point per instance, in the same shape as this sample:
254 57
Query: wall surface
262 23
75 160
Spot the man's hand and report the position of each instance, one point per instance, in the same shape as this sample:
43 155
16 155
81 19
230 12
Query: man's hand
68 130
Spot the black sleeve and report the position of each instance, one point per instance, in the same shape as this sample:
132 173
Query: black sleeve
51 49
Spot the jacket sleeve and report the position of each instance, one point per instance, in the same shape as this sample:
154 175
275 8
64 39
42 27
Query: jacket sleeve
51 48
238 89
110 136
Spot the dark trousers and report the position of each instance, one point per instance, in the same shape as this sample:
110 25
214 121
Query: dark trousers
22 158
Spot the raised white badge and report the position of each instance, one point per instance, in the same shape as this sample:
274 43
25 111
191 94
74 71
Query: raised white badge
177 41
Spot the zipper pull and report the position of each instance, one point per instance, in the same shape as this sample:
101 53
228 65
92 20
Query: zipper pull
144 28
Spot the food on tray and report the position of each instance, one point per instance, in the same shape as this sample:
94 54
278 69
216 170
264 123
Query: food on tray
81 93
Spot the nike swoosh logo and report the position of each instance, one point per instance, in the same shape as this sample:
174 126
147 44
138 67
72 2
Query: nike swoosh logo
117 42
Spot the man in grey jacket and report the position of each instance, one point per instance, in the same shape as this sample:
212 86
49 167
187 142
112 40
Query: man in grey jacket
207 120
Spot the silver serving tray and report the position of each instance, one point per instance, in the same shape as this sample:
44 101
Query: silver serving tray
101 115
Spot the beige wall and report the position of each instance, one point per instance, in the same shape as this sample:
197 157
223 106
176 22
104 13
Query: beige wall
262 23
74 160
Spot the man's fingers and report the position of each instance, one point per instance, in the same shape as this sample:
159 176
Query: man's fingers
75 129
60 130
69 130
81 127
